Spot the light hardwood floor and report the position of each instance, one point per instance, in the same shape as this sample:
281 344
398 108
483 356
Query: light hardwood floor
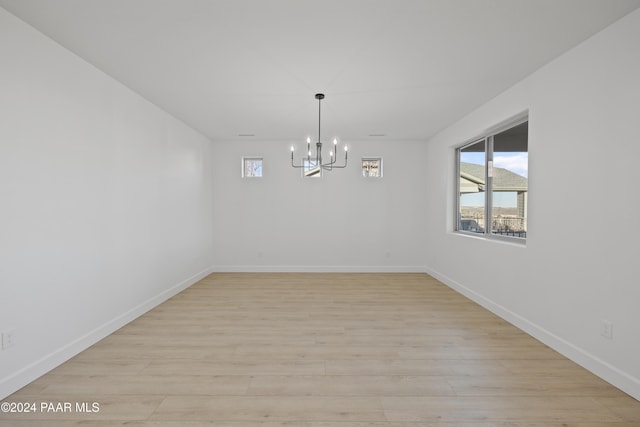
324 350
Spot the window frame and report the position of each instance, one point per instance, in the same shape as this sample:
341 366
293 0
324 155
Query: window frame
243 166
488 137
308 165
370 158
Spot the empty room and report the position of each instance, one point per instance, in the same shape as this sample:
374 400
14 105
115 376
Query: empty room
340 213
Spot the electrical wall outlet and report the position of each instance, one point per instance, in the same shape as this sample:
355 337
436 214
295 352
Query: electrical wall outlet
607 329
8 338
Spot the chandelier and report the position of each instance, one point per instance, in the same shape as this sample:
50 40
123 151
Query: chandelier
314 165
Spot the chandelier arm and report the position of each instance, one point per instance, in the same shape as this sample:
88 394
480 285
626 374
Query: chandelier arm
341 166
335 160
328 166
294 165
332 162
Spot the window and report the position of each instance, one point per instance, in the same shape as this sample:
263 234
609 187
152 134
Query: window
372 167
252 167
311 168
492 172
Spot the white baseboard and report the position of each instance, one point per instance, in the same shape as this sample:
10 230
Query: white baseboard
616 377
36 369
319 269
604 370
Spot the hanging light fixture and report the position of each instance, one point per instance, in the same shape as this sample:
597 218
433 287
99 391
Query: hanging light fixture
314 165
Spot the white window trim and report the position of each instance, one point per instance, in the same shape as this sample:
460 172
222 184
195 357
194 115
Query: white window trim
487 136
306 169
242 164
380 166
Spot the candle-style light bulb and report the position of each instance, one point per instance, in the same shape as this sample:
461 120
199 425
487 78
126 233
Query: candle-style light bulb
346 148
330 153
335 141
293 148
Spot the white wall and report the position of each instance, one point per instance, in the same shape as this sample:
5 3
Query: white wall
107 207
579 265
339 222
106 204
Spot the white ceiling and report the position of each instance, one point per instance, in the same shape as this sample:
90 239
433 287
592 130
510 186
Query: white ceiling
401 68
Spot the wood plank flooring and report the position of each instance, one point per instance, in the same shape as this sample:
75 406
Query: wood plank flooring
323 350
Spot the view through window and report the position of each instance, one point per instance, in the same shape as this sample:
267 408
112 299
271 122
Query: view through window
493 183
311 169
372 167
252 167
